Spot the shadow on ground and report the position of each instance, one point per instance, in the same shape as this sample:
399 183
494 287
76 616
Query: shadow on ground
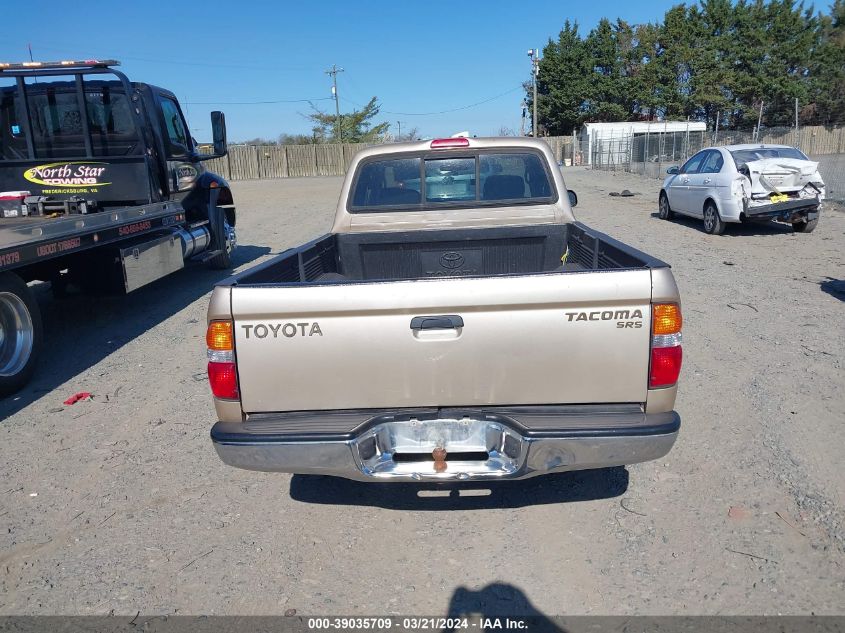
834 287
81 330
733 229
584 485
500 601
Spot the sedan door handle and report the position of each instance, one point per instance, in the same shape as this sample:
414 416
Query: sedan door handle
685 180
706 181
442 322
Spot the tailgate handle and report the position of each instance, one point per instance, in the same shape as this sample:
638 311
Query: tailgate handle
443 322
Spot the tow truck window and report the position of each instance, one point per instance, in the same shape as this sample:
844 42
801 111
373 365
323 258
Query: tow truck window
57 130
12 140
486 178
177 135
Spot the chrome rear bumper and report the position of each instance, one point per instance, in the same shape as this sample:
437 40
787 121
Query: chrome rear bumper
493 447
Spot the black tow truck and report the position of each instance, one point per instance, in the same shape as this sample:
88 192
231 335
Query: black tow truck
101 187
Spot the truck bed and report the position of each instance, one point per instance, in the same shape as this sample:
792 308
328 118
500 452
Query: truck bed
346 301
518 250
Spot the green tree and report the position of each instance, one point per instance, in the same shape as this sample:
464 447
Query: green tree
563 83
607 99
826 89
716 58
355 127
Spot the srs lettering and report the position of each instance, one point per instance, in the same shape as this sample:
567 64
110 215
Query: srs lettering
623 318
288 330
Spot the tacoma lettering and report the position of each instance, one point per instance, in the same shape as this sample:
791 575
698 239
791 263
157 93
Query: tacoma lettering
605 315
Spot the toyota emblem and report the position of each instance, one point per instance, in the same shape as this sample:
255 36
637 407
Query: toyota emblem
451 260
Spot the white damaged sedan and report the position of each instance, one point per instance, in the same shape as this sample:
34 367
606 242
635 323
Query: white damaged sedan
745 183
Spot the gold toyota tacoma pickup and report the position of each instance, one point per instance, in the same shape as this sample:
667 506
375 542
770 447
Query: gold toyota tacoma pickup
456 324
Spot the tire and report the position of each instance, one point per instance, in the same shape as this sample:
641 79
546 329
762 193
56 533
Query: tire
21 333
664 211
713 224
220 231
805 227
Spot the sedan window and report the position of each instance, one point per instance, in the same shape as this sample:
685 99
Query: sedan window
742 156
713 163
692 165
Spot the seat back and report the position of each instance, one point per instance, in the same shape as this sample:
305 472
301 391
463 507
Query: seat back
503 187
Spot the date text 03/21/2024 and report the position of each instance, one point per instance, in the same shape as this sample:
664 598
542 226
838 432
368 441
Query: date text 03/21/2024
417 623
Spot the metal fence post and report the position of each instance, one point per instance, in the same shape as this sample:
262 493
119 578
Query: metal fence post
661 145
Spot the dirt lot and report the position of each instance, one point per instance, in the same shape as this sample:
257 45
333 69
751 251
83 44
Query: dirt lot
120 504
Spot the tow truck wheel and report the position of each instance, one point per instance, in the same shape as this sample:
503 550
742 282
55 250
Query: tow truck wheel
20 333
808 226
713 224
224 235
664 211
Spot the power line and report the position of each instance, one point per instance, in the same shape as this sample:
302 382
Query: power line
258 102
466 107
176 62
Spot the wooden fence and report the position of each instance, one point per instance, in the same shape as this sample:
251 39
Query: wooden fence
250 162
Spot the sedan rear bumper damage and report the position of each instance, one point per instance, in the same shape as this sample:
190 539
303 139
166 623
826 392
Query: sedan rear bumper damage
494 444
785 209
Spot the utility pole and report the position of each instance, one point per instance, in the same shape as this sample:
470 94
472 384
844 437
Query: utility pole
399 134
333 71
759 121
534 54
716 136
524 107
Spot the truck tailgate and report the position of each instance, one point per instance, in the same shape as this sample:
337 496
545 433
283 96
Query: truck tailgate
555 338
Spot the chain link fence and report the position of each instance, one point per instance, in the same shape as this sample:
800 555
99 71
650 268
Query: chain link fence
649 155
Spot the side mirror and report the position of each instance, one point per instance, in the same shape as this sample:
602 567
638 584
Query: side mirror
573 198
673 170
218 128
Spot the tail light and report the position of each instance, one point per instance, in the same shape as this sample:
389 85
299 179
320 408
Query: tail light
666 352
222 371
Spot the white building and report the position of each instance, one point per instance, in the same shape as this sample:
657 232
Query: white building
626 141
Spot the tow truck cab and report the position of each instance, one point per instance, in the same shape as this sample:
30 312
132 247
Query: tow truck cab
89 139
101 187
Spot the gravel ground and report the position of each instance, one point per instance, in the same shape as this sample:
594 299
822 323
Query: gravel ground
119 504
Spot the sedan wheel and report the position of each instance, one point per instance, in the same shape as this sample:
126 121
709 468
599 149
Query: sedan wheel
664 212
713 224
806 226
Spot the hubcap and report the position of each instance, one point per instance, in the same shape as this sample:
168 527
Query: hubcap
709 220
16 334
231 237
663 205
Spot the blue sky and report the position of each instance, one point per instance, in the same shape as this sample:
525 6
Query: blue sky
415 57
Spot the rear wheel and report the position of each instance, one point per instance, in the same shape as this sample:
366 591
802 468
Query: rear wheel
20 333
664 211
713 224
807 226
223 235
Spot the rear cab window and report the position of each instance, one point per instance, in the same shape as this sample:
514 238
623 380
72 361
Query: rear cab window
57 122
432 181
